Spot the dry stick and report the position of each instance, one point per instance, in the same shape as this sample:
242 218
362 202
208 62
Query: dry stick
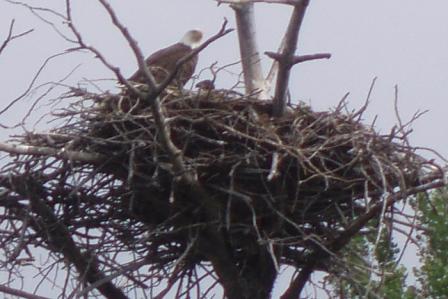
297 285
250 57
285 63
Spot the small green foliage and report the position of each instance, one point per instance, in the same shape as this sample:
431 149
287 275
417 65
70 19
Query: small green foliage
433 274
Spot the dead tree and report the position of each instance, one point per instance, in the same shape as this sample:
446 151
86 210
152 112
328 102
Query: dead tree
167 193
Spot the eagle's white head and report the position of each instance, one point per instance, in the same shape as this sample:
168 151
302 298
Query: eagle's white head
192 38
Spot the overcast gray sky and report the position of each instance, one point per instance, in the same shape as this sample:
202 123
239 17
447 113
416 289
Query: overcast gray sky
401 42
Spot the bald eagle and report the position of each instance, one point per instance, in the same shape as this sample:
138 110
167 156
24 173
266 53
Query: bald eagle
163 62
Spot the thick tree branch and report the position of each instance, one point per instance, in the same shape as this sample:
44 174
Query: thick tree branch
285 65
253 74
19 293
274 67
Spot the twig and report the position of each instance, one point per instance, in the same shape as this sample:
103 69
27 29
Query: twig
273 172
30 86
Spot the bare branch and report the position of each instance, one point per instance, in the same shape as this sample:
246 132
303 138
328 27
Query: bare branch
291 38
16 149
298 59
12 36
274 67
83 45
250 57
19 293
30 86
126 268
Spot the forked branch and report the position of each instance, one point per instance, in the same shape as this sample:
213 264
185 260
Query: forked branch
10 37
285 64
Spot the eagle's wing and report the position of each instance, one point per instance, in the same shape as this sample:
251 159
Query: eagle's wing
163 62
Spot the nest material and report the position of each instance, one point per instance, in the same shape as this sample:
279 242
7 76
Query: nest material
303 176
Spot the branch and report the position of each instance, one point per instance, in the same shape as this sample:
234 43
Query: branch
17 149
298 59
19 293
250 57
274 67
12 36
126 268
284 69
100 56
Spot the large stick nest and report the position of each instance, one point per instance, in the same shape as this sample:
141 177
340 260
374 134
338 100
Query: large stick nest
293 182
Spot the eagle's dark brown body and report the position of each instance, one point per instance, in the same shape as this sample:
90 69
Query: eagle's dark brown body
163 62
